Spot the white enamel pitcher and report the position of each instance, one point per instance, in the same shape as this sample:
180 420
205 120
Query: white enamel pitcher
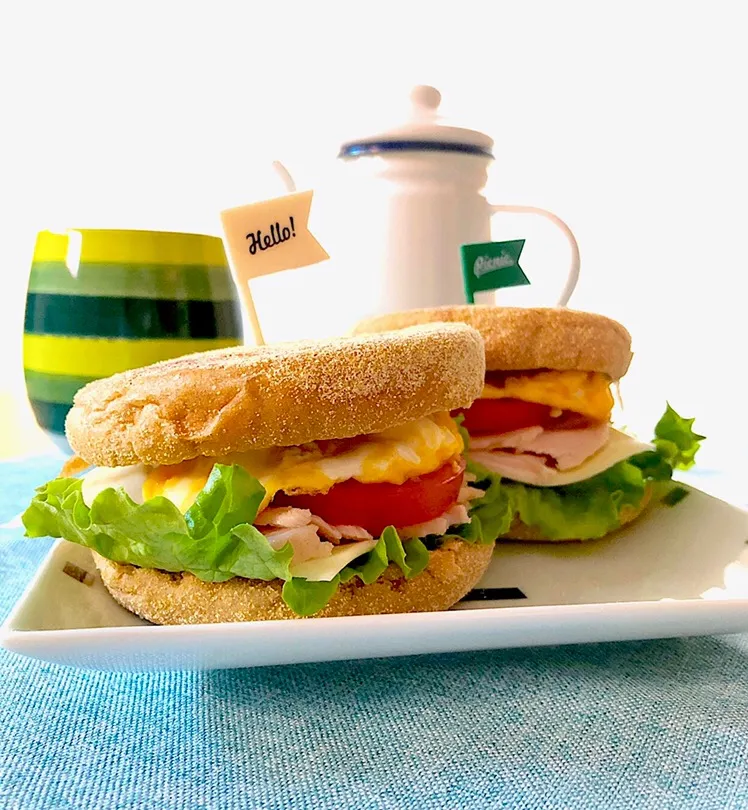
404 202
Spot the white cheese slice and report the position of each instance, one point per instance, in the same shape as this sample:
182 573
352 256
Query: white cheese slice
131 479
324 569
618 447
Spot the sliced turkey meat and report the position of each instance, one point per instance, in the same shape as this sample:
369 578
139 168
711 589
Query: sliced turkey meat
516 466
512 439
568 448
456 515
468 494
304 540
331 533
311 536
354 533
284 517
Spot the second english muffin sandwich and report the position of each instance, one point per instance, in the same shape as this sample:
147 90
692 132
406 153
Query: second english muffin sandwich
541 441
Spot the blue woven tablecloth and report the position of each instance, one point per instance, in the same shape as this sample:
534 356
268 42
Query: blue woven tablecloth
638 725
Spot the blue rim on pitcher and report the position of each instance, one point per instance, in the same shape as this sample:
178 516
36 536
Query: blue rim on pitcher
378 147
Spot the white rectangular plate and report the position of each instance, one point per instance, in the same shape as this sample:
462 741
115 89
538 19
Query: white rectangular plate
676 572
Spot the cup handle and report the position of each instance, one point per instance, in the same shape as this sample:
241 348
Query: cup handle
573 276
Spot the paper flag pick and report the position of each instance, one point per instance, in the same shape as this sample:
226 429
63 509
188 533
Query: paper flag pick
265 237
490 266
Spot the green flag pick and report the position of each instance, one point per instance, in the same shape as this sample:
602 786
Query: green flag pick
491 265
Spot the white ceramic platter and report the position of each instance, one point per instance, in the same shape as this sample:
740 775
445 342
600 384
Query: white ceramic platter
676 572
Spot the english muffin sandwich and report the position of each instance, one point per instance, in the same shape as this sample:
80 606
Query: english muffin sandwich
541 442
318 478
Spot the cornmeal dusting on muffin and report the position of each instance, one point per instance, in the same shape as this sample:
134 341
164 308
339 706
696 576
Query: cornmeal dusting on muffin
277 395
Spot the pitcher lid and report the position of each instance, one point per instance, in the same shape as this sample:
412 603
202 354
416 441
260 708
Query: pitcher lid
422 133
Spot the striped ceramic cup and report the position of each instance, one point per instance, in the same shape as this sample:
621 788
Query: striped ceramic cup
103 301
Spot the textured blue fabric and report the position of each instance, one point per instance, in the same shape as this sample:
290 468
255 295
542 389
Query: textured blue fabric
639 725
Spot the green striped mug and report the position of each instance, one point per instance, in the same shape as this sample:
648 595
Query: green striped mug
103 301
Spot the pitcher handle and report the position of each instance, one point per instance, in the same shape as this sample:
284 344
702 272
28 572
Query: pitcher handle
573 276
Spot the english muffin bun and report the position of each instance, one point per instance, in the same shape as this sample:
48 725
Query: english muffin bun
521 531
233 400
165 598
520 339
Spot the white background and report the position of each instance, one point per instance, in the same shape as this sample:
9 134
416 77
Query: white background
627 119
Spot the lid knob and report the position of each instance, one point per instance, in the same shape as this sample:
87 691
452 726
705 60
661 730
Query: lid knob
425 101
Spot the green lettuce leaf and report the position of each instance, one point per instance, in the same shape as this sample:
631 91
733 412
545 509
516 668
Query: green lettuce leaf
591 508
369 567
675 440
411 556
652 466
459 419
307 598
480 530
582 511
215 540
494 512
469 532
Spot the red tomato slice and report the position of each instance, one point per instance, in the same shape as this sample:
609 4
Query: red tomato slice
376 506
489 416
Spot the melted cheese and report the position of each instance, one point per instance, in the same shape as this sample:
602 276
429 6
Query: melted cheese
618 448
392 456
583 392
